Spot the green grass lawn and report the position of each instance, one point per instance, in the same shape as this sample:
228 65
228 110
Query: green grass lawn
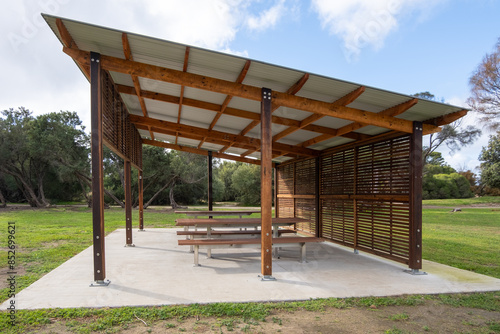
46 238
478 201
469 239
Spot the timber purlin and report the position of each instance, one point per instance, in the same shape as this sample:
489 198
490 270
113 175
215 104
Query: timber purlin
364 195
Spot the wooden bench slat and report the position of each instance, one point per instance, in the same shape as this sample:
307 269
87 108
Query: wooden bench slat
229 232
241 241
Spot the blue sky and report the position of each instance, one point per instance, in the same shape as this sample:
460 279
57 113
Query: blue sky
407 46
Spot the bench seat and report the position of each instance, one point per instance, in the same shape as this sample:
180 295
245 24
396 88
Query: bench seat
248 243
221 233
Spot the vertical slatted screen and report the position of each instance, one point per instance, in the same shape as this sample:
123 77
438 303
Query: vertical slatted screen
118 131
364 194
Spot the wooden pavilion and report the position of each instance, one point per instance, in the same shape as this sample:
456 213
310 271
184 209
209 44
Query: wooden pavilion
346 157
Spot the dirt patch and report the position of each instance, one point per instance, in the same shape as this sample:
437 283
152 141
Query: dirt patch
20 271
430 317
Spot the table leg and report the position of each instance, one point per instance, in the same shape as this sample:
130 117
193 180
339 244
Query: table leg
275 235
196 257
209 236
186 228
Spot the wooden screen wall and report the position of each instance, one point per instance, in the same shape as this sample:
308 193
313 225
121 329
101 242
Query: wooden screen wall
364 195
119 134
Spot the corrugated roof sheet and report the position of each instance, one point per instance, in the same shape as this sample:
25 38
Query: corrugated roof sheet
201 110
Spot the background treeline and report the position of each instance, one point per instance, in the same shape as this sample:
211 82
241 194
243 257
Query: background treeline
45 160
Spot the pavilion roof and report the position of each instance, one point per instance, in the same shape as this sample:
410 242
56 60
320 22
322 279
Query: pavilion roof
189 98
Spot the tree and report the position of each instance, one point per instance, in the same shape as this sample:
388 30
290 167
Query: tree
485 89
453 135
490 166
246 183
223 176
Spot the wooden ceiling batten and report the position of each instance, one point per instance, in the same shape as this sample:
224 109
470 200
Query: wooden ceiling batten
127 51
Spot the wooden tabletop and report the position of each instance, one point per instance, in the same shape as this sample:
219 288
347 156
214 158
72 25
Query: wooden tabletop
235 221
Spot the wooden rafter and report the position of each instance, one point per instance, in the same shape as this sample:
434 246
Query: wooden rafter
348 129
254 117
181 96
343 101
199 151
221 137
294 89
447 119
228 98
127 51
246 91
69 42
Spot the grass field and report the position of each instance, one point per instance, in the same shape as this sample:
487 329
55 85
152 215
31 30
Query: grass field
46 238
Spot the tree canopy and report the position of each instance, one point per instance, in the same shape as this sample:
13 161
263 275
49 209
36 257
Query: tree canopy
490 162
485 89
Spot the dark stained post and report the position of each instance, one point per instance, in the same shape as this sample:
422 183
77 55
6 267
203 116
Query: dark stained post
210 193
266 194
141 201
416 165
276 204
317 201
97 170
128 203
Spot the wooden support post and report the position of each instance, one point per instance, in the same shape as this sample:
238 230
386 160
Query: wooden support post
141 201
97 169
355 201
276 204
265 184
416 166
210 193
128 203
317 202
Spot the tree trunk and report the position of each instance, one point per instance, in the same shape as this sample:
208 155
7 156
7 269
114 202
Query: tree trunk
159 191
87 180
173 203
3 203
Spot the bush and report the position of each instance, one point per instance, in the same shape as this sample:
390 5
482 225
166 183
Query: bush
442 186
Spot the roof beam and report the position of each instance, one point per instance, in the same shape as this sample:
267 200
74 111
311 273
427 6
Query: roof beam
343 101
348 129
127 51
218 135
199 151
255 117
447 119
246 91
69 42
181 96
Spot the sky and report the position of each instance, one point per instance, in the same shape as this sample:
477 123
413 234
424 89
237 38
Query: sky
405 46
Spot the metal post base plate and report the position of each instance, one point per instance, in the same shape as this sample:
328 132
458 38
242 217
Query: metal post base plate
129 245
267 278
356 251
415 272
100 283
141 230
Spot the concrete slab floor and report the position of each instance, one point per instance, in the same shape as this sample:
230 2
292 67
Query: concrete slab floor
159 272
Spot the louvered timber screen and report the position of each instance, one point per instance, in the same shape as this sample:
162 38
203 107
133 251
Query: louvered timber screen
118 131
364 195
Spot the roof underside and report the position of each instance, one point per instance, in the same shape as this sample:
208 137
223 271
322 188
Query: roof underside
212 113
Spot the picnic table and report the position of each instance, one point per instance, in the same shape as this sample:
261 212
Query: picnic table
212 213
209 224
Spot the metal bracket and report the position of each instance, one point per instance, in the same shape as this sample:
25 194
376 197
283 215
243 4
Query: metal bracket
356 251
267 278
129 245
141 230
100 283
415 272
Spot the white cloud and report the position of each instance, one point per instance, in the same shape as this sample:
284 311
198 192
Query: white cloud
362 23
268 18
